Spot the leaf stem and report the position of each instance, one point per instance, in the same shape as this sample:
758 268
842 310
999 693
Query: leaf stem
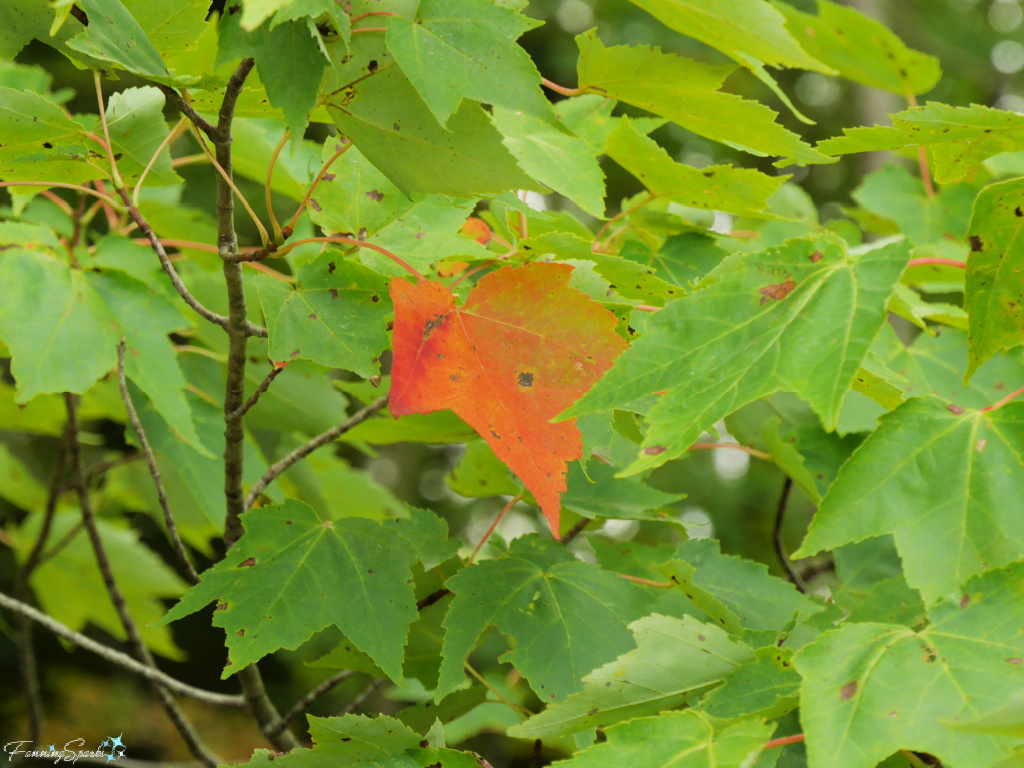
60 185
1000 403
154 470
624 212
575 531
189 160
367 15
512 502
369 29
784 741
336 239
278 236
648 582
924 261
114 175
309 193
59 202
521 710
733 446
307 448
473 271
175 132
922 157
561 88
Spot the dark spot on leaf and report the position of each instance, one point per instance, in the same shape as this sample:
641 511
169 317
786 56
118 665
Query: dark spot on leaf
241 633
815 257
312 316
374 195
221 606
848 690
370 571
330 267
247 563
375 298
954 409
424 743
396 127
1014 660
526 379
431 325
964 601
777 291
975 243
372 65
654 450
700 638
334 292
593 712
48 145
1018 212
329 177
315 205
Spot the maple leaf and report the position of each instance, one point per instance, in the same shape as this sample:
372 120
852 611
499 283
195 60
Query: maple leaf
522 349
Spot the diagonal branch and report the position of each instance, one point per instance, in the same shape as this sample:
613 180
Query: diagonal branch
184 726
303 704
275 371
303 451
122 660
154 471
178 102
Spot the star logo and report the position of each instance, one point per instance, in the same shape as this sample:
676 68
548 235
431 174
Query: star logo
52 748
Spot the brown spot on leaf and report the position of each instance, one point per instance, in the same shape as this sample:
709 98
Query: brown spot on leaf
815 257
315 205
221 606
330 176
312 316
1018 212
778 291
964 601
330 267
975 243
375 195
979 447
848 691
654 450
1014 660
954 409
241 633
334 292
526 379
247 563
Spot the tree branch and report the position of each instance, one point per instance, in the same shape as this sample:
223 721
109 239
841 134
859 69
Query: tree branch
303 704
366 693
257 701
183 725
122 660
275 371
154 471
304 450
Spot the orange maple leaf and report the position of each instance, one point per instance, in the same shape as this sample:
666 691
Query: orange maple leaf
523 348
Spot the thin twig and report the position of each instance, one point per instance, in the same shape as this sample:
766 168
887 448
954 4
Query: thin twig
518 708
165 262
304 450
575 531
922 156
26 651
432 598
275 371
780 545
184 727
260 255
115 176
366 693
122 660
186 109
648 582
154 470
278 235
303 704
624 212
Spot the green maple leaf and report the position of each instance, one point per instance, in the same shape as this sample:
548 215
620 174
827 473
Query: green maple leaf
942 480
293 573
995 272
466 49
686 92
334 316
675 660
767 687
743 334
958 138
871 689
676 740
862 49
720 187
564 617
